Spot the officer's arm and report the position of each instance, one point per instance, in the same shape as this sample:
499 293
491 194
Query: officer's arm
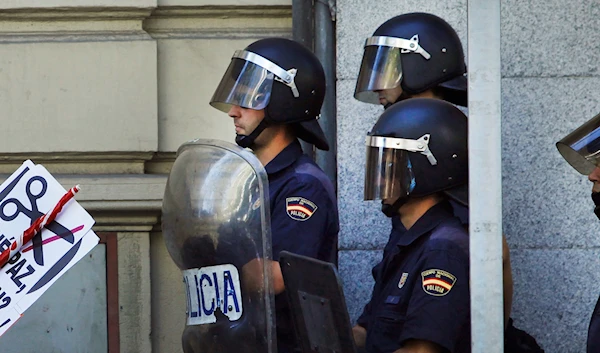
278 284
252 275
507 280
360 336
300 217
419 346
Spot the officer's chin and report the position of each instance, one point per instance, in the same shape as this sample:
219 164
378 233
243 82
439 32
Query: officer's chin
387 208
387 202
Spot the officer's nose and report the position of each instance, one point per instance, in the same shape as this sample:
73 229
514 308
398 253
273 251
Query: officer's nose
594 176
234 111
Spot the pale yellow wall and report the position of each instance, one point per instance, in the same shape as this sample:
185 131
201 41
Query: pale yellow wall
102 93
98 96
194 48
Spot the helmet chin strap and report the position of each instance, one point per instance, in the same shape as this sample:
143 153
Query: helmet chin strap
392 210
246 141
596 199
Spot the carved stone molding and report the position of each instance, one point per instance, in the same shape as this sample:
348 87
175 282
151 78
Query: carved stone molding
73 24
80 162
123 203
219 22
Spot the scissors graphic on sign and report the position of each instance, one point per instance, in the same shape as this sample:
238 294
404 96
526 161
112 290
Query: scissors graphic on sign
33 213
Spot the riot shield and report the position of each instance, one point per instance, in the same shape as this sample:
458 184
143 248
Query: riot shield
216 227
318 305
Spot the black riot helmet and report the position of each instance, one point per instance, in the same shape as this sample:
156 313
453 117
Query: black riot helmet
417 51
581 148
418 147
282 77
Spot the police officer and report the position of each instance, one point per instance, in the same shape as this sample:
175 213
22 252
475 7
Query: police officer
273 90
418 55
581 150
417 161
412 55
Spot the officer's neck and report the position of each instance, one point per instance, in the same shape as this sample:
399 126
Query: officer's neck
276 141
415 208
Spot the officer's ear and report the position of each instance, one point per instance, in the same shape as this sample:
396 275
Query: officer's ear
294 130
439 197
438 92
291 129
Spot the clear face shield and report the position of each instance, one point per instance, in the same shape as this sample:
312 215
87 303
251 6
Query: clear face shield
388 174
381 66
388 170
248 82
581 148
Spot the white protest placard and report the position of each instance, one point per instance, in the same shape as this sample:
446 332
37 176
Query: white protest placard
88 242
9 318
26 195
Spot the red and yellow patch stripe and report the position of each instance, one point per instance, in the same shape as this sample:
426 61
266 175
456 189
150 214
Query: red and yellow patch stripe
300 208
438 282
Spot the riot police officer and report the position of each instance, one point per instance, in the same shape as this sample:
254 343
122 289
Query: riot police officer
418 55
412 55
273 90
580 149
416 162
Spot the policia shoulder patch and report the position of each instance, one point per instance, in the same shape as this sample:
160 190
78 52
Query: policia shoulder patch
437 282
299 208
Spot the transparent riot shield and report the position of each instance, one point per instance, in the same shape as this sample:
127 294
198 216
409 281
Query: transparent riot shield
216 227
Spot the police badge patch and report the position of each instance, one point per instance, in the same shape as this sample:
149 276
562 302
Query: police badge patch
299 208
437 282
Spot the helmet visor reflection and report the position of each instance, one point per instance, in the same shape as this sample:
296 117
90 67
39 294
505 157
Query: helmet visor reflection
581 148
388 174
381 68
245 84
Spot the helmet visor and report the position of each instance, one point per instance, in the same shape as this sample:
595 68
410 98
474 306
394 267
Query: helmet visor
245 84
581 148
388 174
381 68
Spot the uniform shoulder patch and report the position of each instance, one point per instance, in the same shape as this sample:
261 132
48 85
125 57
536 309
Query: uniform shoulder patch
403 279
299 208
437 282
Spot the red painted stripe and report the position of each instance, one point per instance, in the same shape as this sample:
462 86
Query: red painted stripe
54 238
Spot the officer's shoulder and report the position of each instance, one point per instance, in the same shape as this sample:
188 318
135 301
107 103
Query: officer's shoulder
449 235
306 174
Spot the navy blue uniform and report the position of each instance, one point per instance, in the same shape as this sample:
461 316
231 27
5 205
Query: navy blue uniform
422 287
460 211
398 231
304 220
593 341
